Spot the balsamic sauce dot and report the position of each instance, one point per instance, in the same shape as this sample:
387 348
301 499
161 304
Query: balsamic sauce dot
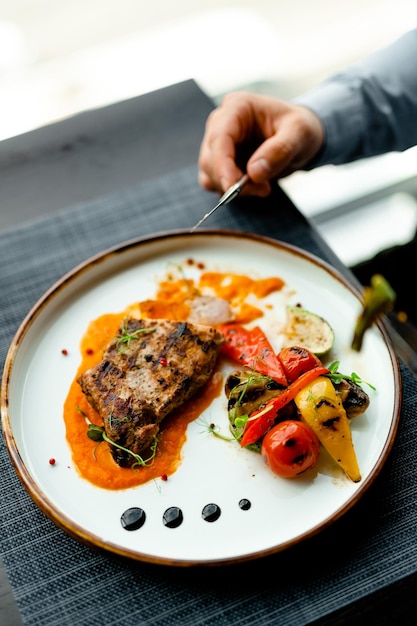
173 517
211 512
245 504
133 518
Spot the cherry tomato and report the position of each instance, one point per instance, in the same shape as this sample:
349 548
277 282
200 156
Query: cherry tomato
290 448
296 360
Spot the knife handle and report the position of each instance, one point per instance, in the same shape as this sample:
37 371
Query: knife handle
234 190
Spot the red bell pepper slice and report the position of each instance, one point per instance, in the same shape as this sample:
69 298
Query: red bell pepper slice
261 420
252 348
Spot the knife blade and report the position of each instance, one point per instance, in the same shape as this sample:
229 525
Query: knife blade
228 196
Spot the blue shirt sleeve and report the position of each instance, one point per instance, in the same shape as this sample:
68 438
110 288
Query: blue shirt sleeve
371 108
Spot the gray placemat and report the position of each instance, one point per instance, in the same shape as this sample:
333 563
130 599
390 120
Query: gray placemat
58 581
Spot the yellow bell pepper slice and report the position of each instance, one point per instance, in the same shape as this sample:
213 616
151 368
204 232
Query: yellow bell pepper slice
321 408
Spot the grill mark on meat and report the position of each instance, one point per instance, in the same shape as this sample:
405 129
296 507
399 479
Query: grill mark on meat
139 383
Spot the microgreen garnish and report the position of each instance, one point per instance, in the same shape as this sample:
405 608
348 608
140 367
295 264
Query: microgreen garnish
240 422
126 336
82 412
179 269
188 282
336 377
95 432
117 420
213 429
139 460
98 434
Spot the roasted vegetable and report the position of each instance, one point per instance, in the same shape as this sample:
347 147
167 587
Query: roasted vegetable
246 392
296 360
290 448
378 298
252 348
321 408
354 399
308 330
260 421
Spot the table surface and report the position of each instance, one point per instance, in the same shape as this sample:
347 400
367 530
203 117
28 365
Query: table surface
75 188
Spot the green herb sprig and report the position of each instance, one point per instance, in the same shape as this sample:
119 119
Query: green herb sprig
214 429
98 434
336 377
125 337
191 290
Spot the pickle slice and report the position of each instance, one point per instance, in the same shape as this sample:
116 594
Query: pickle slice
308 330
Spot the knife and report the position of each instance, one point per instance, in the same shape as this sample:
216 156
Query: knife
228 196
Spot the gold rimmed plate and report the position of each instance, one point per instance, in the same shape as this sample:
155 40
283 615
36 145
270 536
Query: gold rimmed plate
269 512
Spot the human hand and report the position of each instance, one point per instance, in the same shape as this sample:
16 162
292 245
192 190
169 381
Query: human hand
287 137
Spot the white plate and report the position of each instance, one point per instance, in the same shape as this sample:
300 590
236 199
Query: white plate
283 511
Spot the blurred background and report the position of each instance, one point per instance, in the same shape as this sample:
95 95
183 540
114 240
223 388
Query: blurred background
60 57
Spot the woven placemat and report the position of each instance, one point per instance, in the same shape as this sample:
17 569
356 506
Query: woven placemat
58 581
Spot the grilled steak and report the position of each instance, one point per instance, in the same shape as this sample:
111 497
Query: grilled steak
149 369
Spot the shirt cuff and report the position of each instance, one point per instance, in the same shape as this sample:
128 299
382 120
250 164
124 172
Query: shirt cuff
337 106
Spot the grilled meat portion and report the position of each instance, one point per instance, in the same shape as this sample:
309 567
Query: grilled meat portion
149 369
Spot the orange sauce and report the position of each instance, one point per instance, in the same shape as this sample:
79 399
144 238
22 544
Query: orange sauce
156 309
236 288
93 459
